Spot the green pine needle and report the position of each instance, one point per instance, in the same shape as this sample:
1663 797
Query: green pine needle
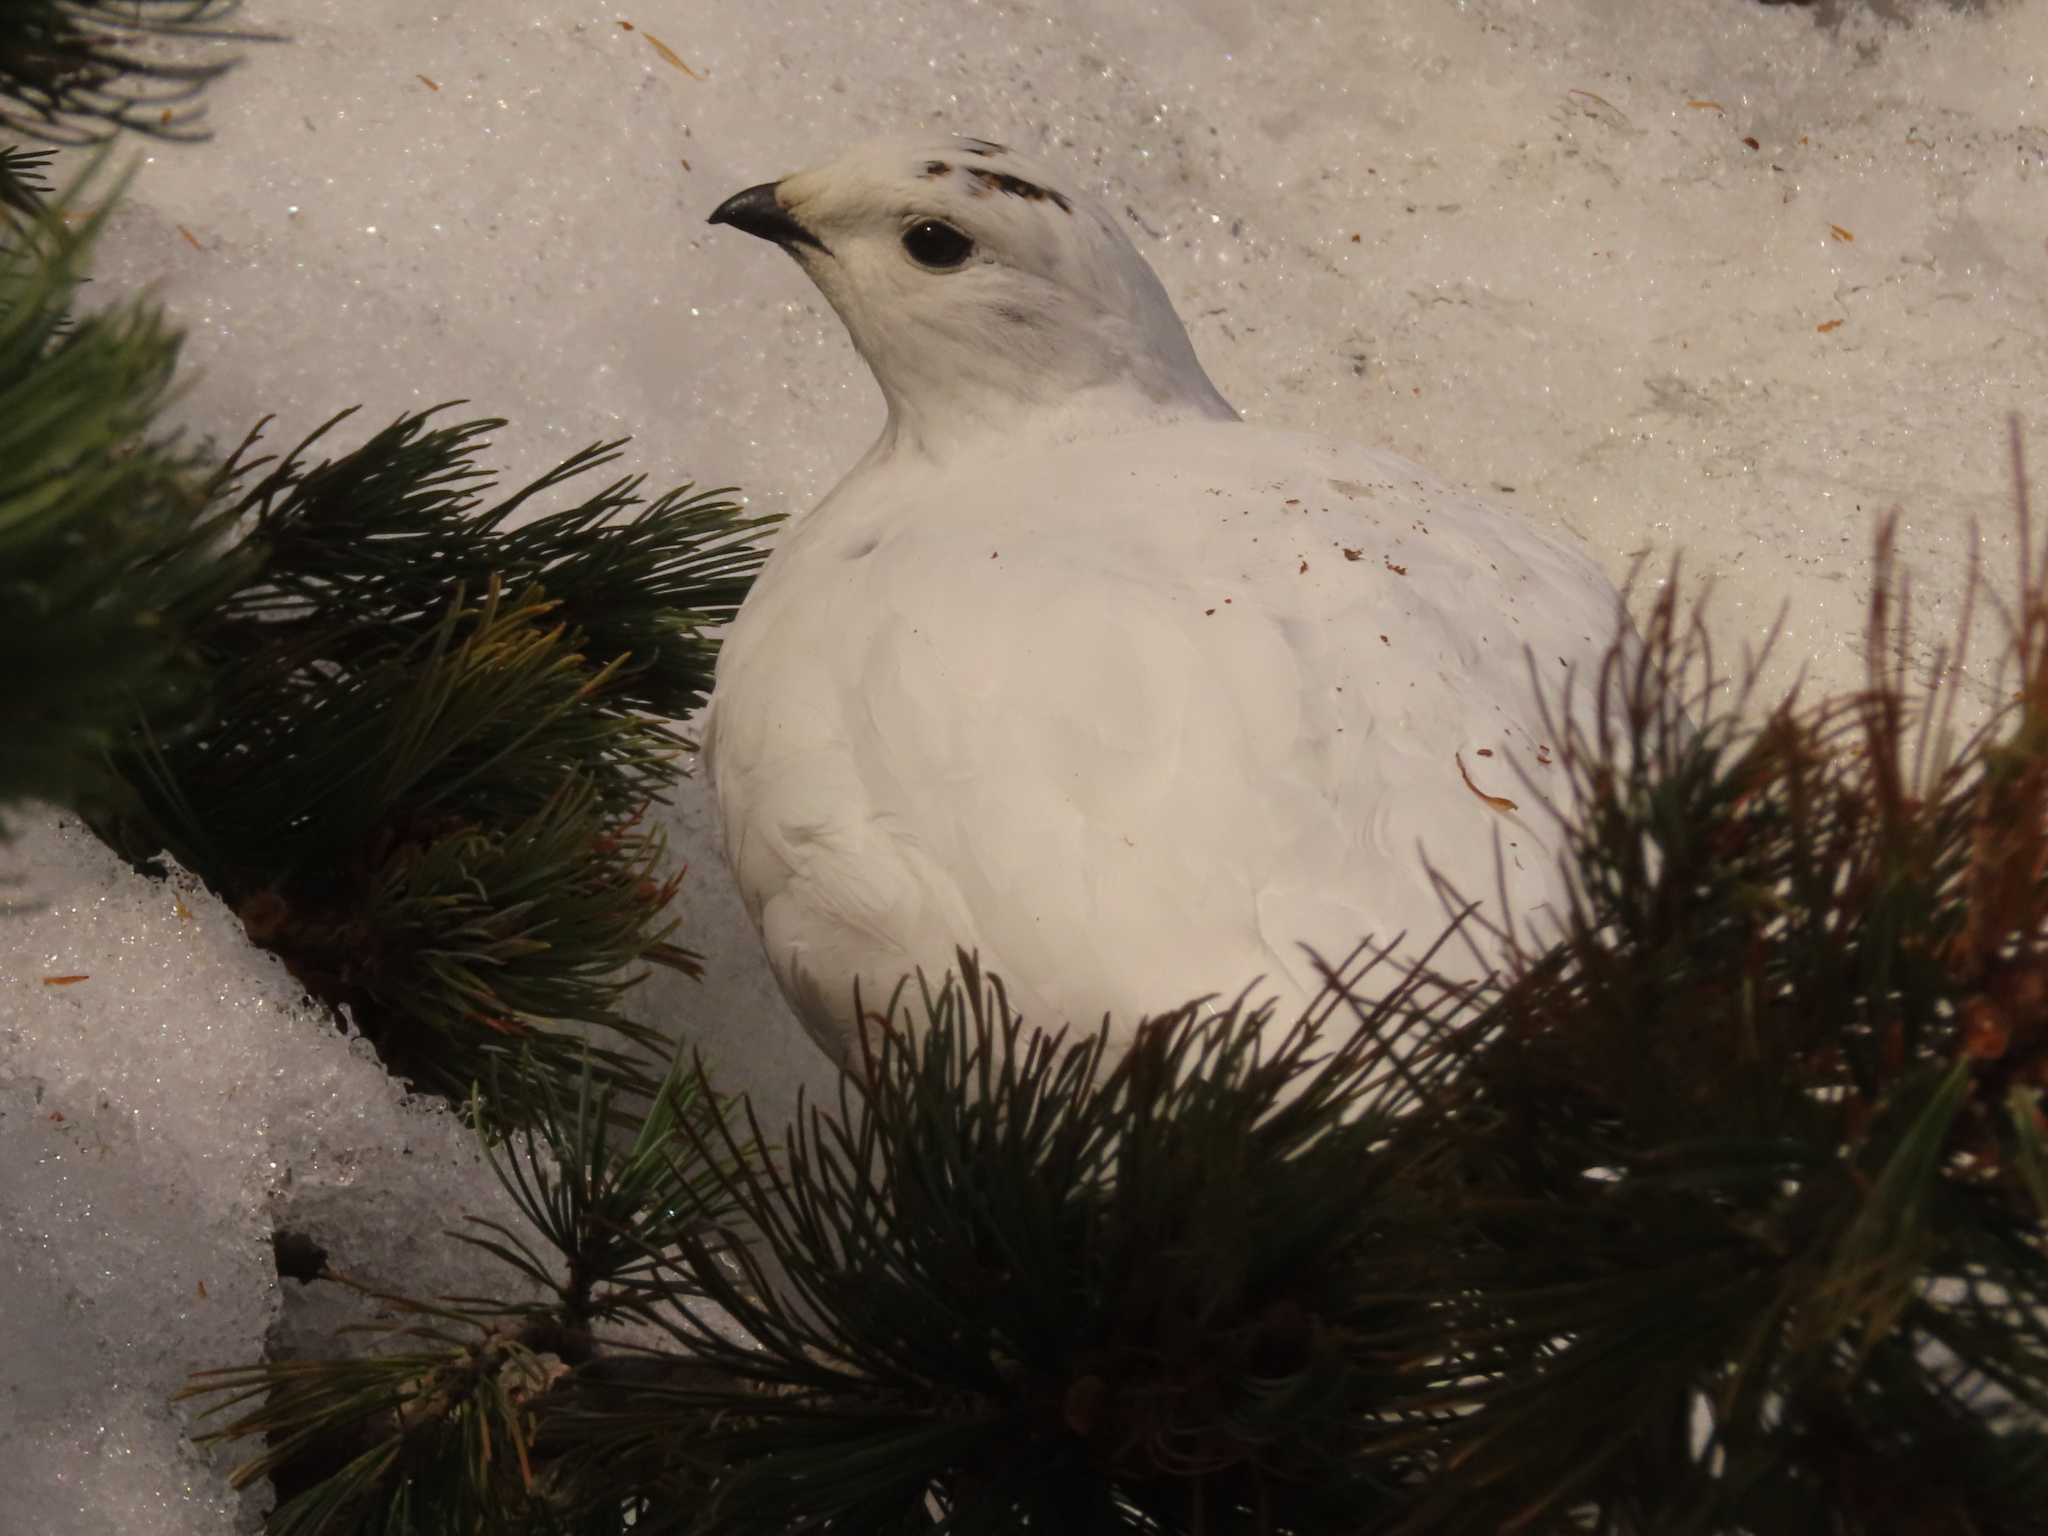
77 71
24 183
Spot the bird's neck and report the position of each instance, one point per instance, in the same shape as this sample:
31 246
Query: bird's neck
967 422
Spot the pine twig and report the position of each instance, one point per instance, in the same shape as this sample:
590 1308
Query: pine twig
78 71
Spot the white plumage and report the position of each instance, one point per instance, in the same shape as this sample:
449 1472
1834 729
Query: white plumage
1078 672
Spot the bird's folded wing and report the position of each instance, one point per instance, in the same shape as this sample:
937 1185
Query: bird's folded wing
1148 723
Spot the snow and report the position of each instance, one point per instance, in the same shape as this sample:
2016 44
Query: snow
1527 242
167 1098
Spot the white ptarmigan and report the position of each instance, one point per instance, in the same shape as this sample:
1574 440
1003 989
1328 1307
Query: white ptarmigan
1077 671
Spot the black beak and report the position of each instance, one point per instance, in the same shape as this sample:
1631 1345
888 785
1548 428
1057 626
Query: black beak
759 212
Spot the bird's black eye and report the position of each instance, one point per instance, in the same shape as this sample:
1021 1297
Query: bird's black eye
938 246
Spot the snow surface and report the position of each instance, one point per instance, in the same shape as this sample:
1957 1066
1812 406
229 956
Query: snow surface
1699 274
166 1096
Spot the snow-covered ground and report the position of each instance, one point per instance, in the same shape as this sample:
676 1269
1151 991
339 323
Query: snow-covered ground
1698 275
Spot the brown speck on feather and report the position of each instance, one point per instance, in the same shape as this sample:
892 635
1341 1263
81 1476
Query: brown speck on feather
1498 802
1485 751
428 83
1398 570
1304 569
936 168
1354 554
190 238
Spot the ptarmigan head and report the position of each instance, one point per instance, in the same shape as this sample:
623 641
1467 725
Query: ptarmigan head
985 296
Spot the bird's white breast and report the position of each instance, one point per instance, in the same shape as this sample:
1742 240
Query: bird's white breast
1136 718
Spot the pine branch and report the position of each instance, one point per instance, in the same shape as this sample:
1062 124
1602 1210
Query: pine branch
387 530
452 1418
1184 1294
428 1438
1761 1139
78 71
24 183
614 1216
1179 1295
417 783
109 550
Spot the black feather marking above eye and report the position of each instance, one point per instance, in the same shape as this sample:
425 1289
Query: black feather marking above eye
983 147
936 168
1017 186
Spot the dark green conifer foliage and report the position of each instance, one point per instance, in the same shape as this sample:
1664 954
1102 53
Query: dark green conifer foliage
108 544
1184 1292
432 738
1027 1289
1761 1143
